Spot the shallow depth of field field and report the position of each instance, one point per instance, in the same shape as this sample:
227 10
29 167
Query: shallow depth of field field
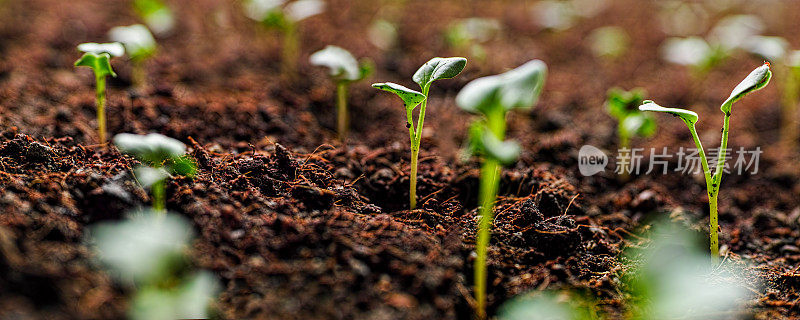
287 217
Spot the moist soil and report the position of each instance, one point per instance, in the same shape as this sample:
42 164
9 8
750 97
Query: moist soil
297 225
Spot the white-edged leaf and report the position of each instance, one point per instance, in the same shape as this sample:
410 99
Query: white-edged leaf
757 79
518 88
689 51
437 69
148 176
342 64
114 49
258 9
153 147
302 9
410 97
137 39
686 115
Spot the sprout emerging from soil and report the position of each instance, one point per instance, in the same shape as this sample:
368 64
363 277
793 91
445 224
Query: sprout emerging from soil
344 69
623 106
493 97
147 252
161 156
756 80
156 15
98 57
140 46
285 17
435 69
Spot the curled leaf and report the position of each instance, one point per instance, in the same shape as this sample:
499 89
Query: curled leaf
411 98
100 63
153 148
756 80
690 117
437 69
342 64
518 88
114 49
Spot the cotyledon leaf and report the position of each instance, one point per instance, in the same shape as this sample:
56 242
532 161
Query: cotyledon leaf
518 88
690 117
757 79
411 98
100 63
437 69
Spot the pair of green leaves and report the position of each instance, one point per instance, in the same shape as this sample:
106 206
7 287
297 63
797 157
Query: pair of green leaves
162 155
435 69
98 57
622 105
341 63
754 81
494 96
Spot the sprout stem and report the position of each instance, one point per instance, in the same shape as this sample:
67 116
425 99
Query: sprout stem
101 107
789 132
624 144
416 140
159 197
341 105
490 182
713 191
291 46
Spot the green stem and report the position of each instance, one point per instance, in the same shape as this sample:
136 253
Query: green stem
712 189
717 179
101 107
416 140
789 132
341 106
624 143
291 45
489 184
159 197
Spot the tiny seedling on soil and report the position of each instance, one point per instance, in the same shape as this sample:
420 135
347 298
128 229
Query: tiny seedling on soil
156 15
98 57
161 156
623 106
139 45
493 97
344 69
756 80
435 69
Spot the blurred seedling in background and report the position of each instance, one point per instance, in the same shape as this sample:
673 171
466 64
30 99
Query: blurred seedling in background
756 80
624 107
467 36
147 252
157 15
344 69
493 97
161 156
285 17
668 277
560 15
139 45
609 42
98 57
435 69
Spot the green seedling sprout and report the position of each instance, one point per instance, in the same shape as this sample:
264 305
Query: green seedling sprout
285 17
344 69
468 35
756 80
160 156
140 46
435 69
156 15
98 57
493 97
147 252
791 90
623 106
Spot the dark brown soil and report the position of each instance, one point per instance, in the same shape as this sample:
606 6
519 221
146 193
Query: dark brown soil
298 226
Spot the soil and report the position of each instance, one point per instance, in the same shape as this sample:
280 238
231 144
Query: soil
299 226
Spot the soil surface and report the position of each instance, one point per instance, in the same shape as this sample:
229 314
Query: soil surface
298 226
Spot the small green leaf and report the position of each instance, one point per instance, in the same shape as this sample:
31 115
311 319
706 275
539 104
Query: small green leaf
114 49
342 64
437 69
518 88
621 103
639 124
411 98
690 117
183 166
152 148
137 39
504 151
100 63
757 79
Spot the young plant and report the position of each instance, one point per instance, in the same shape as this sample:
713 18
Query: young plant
493 97
140 46
98 57
156 15
161 156
344 69
285 17
756 80
435 69
622 106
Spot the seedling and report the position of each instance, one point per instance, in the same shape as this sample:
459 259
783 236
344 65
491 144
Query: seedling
140 46
161 156
156 15
468 35
344 69
147 252
622 106
97 56
285 17
756 80
493 97
435 69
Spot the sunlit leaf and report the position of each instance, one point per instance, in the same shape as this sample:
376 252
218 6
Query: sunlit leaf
690 117
100 63
411 98
437 69
518 88
757 79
